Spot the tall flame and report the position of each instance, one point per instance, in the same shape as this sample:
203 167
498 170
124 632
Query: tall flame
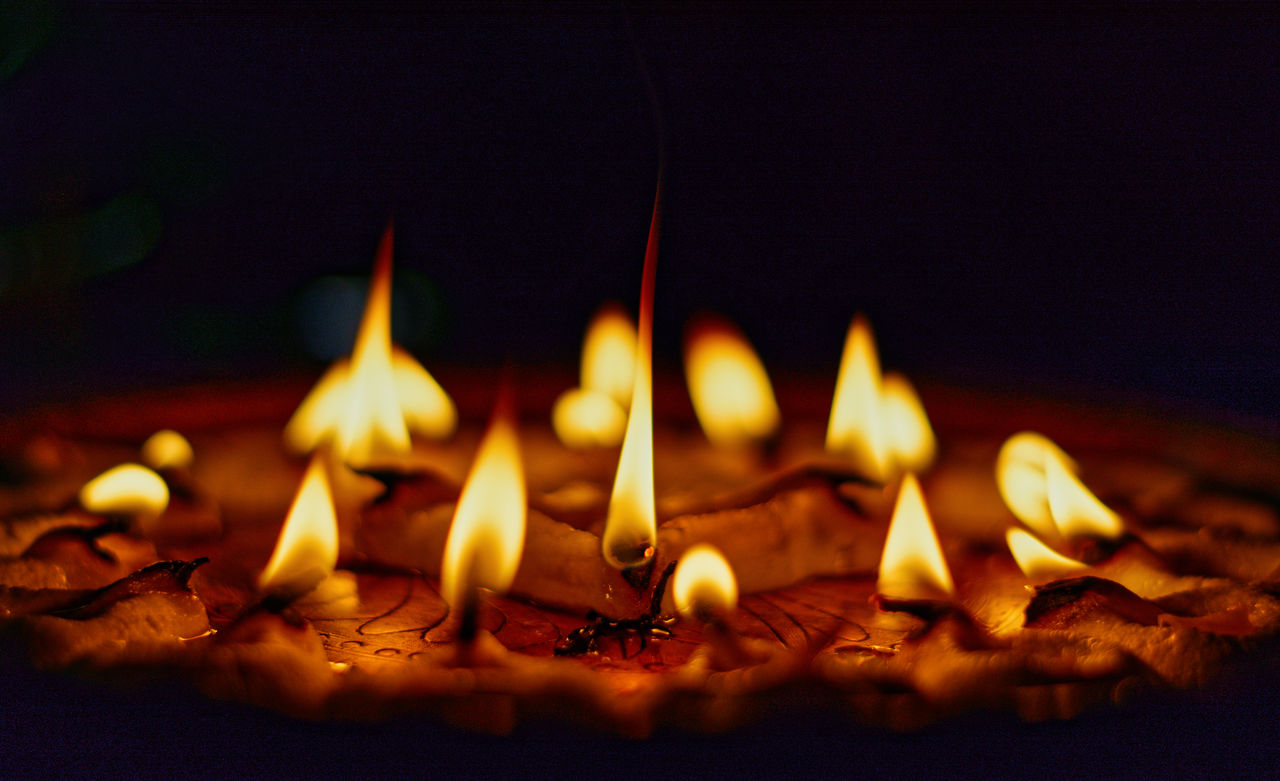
608 354
730 389
703 583
909 436
1039 485
307 550
127 489
912 564
487 535
631 526
368 405
854 429
1037 560
1076 511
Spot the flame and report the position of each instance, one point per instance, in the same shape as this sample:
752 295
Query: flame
587 418
368 405
608 354
911 443
1038 483
855 427
167 449
307 549
912 564
631 526
487 535
127 489
703 583
729 387
1037 560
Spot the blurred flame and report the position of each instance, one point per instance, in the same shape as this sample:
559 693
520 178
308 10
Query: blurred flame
855 427
911 443
307 550
1037 560
631 526
608 354
127 489
730 389
703 583
1038 483
912 564
586 418
367 405
167 449
486 537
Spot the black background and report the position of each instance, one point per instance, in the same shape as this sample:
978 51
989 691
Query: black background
1079 201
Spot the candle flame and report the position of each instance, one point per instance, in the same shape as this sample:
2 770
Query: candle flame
730 389
167 449
586 418
486 537
912 565
368 405
1039 485
854 429
1037 560
307 549
608 354
911 442
703 583
127 489
631 526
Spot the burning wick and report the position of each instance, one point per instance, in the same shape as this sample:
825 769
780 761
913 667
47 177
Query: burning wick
486 537
728 384
705 590
307 550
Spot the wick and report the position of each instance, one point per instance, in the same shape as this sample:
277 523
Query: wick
651 624
469 619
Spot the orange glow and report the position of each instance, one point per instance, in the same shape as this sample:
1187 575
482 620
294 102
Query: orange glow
487 535
129 490
1039 485
911 443
167 449
631 526
912 565
609 354
586 418
703 583
367 406
729 386
1037 560
855 429
307 550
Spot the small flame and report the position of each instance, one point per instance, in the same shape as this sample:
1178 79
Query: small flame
730 389
910 437
912 565
487 535
855 427
703 583
127 489
608 354
368 405
1037 560
307 550
587 418
1039 485
167 449
631 526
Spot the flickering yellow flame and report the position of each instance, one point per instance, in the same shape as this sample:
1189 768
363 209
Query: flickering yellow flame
608 354
730 389
911 443
585 418
167 449
307 549
1037 560
912 565
129 490
1039 485
703 583
487 535
368 405
855 429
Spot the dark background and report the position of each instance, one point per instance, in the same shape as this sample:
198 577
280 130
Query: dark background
1078 201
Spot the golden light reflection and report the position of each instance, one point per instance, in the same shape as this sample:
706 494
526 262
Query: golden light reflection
585 418
703 583
1037 560
730 389
307 549
167 449
608 354
854 429
1038 483
486 537
128 490
912 565
367 406
910 440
